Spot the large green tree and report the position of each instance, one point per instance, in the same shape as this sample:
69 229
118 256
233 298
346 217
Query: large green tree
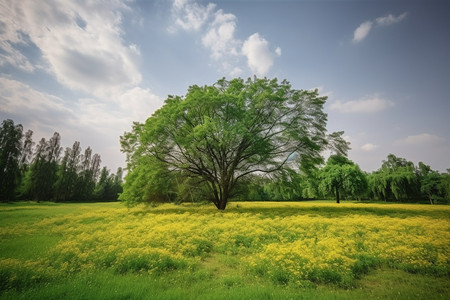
221 133
340 177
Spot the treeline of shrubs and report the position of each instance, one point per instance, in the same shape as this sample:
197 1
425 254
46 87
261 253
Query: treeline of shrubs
44 171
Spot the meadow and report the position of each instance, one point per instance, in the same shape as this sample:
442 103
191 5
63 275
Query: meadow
265 250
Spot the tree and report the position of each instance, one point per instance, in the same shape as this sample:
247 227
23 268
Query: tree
430 181
10 151
445 185
397 178
89 171
68 173
430 185
149 180
27 151
40 178
109 185
221 133
284 186
342 176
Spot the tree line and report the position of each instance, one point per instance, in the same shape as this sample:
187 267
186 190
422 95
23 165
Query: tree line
257 139
44 171
397 180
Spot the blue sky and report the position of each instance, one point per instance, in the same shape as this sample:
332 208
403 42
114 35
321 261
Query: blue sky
88 69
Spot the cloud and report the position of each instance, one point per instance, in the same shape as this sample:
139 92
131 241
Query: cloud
91 121
80 42
218 35
369 147
390 19
278 51
368 105
362 31
189 15
425 139
18 100
139 103
259 57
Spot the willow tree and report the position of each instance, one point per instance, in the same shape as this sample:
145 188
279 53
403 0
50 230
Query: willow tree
221 133
341 176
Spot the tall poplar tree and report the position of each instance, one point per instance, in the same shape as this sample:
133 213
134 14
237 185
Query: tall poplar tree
10 151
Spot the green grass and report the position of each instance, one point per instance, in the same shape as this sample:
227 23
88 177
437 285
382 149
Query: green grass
33 264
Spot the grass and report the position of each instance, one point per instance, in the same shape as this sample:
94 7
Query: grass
306 250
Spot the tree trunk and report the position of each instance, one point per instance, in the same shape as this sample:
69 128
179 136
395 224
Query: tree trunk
223 198
431 199
222 204
337 195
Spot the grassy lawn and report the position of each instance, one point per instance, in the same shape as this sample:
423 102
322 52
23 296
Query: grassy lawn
305 250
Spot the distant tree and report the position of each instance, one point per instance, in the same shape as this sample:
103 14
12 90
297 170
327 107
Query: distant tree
219 134
27 151
10 152
340 177
103 186
397 178
285 185
89 171
40 178
109 186
380 184
445 185
68 173
430 182
431 185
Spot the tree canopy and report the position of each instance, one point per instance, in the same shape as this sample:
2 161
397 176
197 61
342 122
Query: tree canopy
221 133
342 176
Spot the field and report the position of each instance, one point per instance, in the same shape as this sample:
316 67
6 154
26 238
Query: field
306 250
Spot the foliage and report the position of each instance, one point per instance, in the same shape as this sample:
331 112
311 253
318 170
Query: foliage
399 180
109 186
10 151
221 133
341 176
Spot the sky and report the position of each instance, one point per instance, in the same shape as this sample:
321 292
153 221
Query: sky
88 69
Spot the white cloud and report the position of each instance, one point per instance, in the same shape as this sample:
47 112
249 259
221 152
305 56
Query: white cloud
425 139
220 36
390 19
139 103
368 105
189 15
218 30
259 57
278 51
19 98
80 42
362 31
369 147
